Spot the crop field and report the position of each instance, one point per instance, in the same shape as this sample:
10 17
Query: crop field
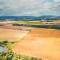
12 35
31 43
39 24
28 22
44 43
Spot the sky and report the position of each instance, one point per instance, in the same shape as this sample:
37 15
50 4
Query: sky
29 7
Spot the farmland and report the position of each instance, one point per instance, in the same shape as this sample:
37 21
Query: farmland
28 22
42 43
39 24
11 35
31 42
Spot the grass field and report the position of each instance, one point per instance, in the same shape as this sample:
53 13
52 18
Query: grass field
39 24
28 22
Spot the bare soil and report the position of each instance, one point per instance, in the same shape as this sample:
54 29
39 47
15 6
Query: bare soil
44 43
11 34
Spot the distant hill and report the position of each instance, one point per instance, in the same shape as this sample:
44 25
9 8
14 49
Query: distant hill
44 17
48 17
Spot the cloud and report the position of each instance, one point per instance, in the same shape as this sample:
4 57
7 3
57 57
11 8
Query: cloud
57 0
29 7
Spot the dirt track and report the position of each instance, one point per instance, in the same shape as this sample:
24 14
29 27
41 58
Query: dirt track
44 43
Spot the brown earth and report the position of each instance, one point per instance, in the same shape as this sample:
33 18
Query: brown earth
44 43
11 34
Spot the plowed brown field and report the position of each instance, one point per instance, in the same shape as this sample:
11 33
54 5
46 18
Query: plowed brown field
44 43
11 34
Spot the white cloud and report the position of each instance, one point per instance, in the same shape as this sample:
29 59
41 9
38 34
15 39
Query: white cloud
27 7
57 0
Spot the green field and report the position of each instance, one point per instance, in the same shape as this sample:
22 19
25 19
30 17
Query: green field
39 24
28 22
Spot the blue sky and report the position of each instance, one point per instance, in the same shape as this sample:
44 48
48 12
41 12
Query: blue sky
29 7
